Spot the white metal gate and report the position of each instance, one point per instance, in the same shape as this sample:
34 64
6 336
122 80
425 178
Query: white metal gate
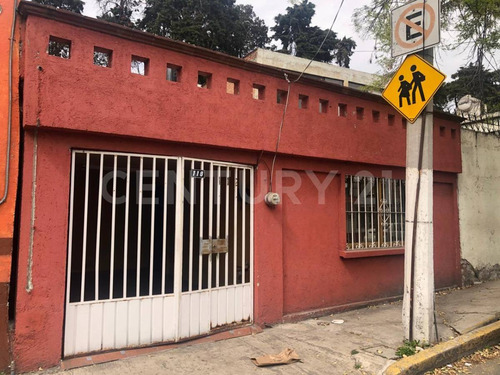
159 249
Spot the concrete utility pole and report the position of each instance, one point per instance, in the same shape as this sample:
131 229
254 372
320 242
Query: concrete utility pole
418 300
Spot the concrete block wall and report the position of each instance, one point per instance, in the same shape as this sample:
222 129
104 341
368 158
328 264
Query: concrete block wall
479 203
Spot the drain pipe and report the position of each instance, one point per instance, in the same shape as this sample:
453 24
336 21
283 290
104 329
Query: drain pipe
29 273
29 276
9 116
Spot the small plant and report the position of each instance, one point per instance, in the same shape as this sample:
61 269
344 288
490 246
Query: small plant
354 352
409 348
357 365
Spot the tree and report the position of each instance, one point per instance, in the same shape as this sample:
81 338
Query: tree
474 24
71 5
118 11
299 38
216 24
345 49
465 82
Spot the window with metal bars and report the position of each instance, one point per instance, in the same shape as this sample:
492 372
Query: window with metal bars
375 212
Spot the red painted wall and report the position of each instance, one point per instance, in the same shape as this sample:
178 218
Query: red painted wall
297 266
77 95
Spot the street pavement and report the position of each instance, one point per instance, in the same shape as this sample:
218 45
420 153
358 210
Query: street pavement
365 343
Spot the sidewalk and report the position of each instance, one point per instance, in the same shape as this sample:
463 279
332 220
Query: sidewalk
364 344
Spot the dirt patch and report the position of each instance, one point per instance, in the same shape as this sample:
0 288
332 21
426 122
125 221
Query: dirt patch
462 366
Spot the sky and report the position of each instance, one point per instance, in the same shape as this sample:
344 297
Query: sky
446 61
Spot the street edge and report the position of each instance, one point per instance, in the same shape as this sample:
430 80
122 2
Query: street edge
446 352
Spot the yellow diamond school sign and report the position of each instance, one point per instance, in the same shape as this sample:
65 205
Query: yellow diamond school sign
413 85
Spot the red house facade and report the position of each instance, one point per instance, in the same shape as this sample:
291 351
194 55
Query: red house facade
145 166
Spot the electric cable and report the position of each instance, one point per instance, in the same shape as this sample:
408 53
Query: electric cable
288 95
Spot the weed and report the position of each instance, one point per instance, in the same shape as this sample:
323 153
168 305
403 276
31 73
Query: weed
354 352
409 348
357 365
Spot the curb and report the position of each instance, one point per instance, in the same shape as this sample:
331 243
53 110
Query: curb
446 352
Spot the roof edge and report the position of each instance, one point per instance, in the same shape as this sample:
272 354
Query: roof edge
27 8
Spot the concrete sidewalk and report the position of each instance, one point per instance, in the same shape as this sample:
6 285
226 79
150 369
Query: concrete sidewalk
364 344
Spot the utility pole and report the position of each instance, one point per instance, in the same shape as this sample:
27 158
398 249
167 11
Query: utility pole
418 299
415 30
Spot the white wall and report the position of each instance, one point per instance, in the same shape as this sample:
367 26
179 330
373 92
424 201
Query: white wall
479 198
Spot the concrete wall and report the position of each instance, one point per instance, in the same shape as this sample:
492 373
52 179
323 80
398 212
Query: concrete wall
479 199
7 208
294 63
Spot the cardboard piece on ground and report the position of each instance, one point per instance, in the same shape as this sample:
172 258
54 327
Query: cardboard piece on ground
286 357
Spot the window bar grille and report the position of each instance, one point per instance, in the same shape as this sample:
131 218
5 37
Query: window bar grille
379 226
191 224
98 229
358 238
165 218
226 258
384 210
85 224
352 213
371 210
243 228
202 199
113 230
396 218
139 231
70 235
217 270
235 232
125 241
152 244
210 221
401 211
365 212
389 194
251 227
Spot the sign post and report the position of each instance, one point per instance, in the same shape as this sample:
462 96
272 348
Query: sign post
415 27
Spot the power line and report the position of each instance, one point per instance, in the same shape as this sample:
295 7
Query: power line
288 95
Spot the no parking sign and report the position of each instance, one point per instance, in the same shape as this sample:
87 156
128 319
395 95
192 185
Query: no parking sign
415 25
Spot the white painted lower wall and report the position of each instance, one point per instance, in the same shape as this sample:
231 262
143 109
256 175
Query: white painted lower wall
479 198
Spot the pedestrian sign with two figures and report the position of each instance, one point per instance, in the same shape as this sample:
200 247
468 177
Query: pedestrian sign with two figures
413 86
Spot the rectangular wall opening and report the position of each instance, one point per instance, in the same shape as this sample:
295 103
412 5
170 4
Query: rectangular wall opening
323 106
173 73
303 101
281 96
102 57
139 65
342 110
258 91
233 86
59 47
204 80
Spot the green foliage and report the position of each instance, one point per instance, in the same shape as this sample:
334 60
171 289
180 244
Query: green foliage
71 5
354 352
374 21
118 11
473 25
216 24
478 26
409 348
473 80
299 38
